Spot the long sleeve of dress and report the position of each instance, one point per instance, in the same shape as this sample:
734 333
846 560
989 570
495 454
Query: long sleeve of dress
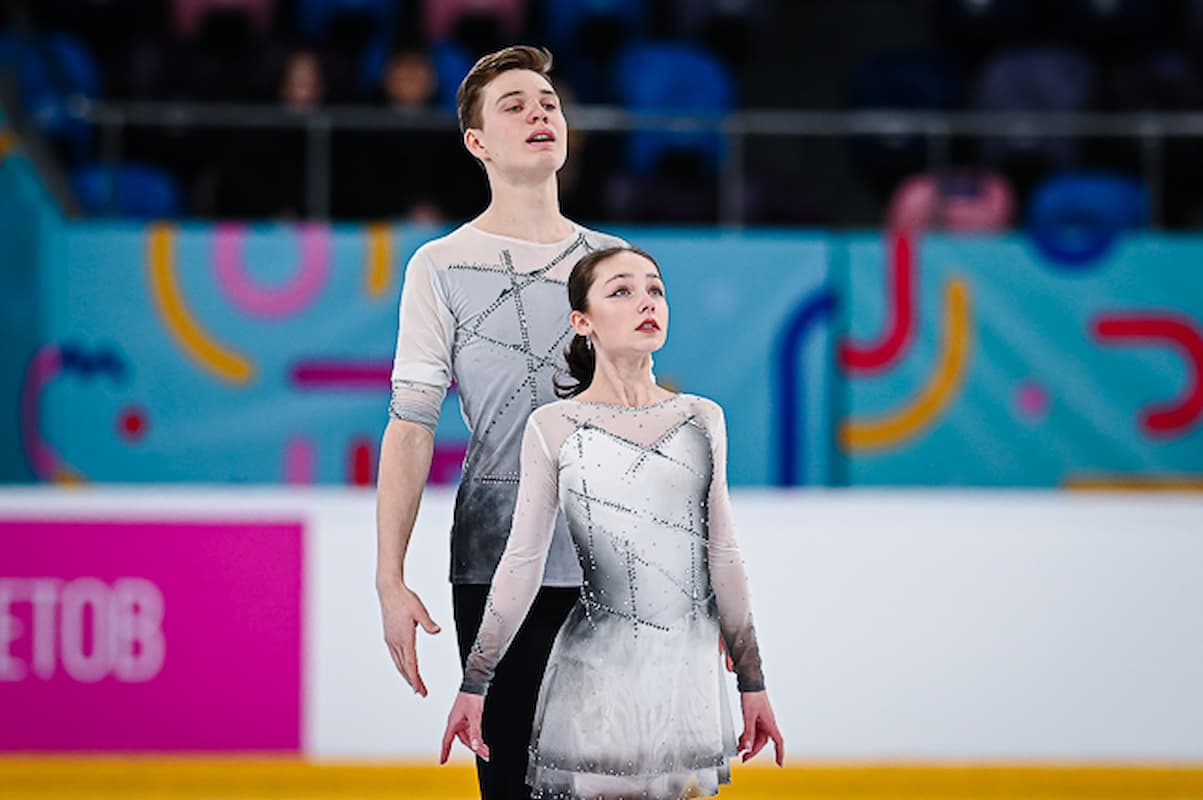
520 572
727 573
425 337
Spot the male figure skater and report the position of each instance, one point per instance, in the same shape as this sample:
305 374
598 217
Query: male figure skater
487 306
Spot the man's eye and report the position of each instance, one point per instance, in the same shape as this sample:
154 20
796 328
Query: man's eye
550 106
514 108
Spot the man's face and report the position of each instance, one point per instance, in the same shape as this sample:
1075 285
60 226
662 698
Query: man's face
523 129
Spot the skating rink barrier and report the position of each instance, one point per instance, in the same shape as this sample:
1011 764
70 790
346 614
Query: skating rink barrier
225 642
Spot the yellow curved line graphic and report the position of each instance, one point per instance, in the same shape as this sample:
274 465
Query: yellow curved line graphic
68 476
380 259
197 343
889 429
8 143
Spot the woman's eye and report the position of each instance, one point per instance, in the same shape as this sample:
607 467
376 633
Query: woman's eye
514 108
618 292
656 290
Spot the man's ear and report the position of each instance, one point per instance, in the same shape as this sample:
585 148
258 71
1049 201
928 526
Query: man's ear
474 145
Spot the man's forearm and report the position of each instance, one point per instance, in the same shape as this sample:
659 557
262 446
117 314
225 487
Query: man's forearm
405 454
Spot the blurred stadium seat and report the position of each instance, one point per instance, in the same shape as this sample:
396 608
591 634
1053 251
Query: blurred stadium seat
52 72
901 80
1075 216
962 200
131 190
662 78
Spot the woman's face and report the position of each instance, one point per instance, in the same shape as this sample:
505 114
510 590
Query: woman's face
626 308
523 129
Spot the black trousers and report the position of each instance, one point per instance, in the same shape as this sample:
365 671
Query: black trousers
510 704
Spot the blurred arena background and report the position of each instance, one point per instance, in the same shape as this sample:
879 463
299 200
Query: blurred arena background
940 260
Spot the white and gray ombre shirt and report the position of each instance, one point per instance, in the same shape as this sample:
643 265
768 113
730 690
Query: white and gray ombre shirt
491 313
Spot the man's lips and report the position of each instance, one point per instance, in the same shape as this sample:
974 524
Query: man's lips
534 137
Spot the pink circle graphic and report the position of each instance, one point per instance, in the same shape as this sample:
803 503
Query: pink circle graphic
275 302
1032 400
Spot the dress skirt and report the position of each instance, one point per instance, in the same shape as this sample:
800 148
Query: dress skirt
632 709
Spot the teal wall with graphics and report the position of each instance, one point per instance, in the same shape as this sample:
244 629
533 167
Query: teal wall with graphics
260 353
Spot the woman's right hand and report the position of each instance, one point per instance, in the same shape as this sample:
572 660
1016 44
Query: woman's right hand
463 723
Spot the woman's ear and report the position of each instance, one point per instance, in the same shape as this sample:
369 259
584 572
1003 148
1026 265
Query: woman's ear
579 323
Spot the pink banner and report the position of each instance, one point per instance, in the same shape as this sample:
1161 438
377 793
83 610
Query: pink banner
150 636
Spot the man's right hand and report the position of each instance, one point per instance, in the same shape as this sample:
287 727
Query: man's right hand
402 612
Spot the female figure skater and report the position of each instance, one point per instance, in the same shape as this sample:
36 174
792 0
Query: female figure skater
632 703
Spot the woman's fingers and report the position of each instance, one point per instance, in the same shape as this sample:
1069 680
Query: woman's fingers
455 728
758 743
476 740
778 745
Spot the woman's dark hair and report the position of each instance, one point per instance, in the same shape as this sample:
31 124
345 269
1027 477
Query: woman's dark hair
579 355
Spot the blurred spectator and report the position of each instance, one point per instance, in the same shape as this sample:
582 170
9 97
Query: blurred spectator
263 172
422 175
302 86
408 81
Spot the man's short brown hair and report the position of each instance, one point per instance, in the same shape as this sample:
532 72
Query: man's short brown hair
467 99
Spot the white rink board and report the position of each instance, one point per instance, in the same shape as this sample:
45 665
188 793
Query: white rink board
933 625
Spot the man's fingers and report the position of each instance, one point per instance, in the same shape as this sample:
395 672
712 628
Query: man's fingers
779 746
428 624
409 660
396 656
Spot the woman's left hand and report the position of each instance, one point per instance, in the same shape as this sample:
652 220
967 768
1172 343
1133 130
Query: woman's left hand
464 723
759 726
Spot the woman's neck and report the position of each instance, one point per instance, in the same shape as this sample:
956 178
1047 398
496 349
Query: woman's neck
529 211
624 382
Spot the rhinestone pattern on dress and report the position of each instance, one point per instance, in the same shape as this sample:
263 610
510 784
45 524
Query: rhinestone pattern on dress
633 701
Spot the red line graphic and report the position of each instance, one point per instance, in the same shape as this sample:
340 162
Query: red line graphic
875 356
342 374
1177 415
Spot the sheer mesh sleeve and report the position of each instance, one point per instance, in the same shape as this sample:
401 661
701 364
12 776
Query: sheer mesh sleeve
520 571
727 573
416 402
425 336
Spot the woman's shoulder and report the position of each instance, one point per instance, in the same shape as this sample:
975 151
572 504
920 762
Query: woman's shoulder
703 406
556 409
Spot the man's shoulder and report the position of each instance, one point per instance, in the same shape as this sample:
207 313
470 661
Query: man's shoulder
459 244
599 240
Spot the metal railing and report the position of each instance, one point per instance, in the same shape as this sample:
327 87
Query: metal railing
1150 130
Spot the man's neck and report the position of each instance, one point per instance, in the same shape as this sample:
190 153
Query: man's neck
525 211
